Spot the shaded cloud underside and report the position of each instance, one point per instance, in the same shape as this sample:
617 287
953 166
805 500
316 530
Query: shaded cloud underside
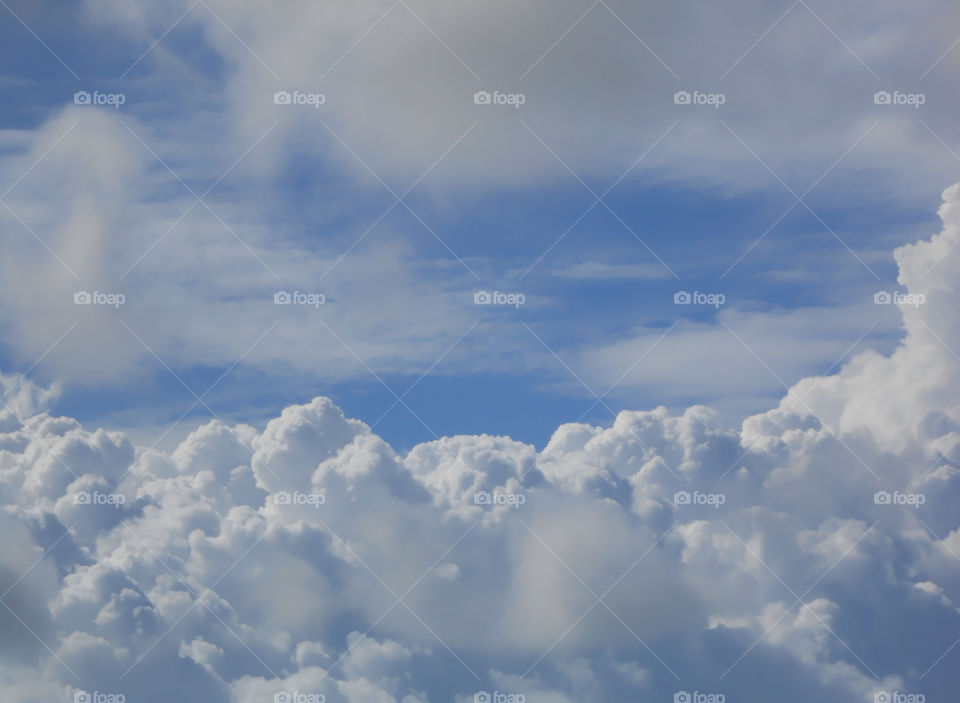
398 586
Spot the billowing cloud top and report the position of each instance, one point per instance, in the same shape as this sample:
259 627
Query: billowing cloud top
812 555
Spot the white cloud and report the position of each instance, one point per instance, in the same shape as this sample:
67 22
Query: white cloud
597 585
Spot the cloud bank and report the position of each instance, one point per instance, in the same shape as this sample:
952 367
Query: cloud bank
811 555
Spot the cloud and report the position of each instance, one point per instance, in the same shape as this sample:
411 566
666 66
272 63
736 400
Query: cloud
660 554
388 69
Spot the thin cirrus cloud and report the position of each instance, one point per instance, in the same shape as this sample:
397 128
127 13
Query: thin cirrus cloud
663 554
789 533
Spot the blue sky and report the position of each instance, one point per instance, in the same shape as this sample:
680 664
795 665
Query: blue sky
541 338
700 231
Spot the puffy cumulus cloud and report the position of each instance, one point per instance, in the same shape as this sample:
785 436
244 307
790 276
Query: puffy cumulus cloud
810 556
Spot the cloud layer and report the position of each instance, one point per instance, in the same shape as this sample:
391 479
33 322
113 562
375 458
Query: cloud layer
811 555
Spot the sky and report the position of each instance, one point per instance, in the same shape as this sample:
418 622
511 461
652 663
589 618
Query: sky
588 260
